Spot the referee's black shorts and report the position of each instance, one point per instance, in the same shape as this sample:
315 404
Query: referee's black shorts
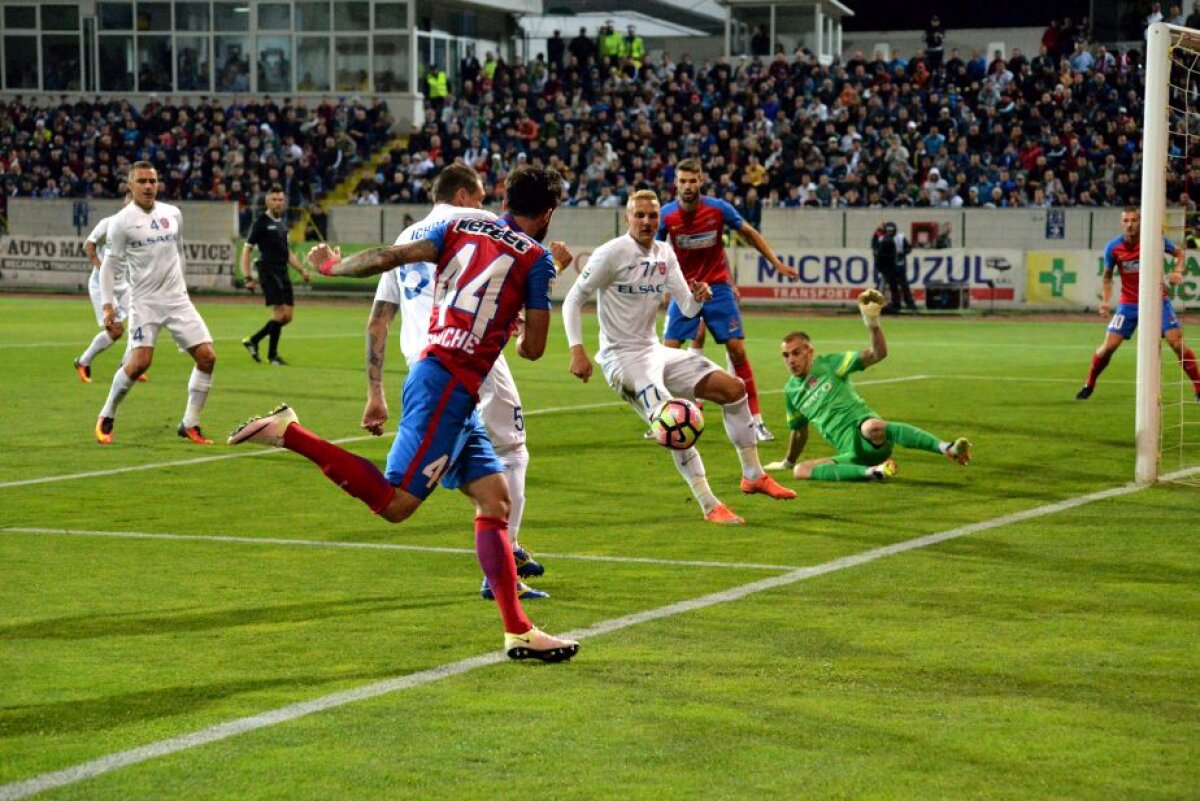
276 286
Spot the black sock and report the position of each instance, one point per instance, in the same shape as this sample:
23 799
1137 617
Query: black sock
276 330
262 332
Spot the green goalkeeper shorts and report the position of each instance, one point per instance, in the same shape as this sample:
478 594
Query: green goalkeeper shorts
854 448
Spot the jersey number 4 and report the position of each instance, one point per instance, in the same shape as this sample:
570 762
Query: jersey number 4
471 290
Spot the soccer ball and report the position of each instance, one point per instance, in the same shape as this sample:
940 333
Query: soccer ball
677 424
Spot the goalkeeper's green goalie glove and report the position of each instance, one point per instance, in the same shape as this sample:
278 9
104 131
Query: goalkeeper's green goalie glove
870 304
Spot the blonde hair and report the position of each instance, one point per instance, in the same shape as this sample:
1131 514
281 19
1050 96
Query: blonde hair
641 194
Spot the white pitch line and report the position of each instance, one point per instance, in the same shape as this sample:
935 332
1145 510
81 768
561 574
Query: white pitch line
382 546
76 343
25 482
223 731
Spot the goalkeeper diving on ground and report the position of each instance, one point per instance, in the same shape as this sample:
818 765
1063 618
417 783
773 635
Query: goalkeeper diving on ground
820 392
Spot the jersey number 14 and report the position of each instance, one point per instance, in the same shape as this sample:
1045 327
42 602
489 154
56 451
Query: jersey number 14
471 290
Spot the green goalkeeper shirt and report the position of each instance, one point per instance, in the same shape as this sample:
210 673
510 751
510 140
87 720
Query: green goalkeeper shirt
826 398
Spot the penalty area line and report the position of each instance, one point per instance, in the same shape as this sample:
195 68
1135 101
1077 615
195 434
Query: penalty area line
223 731
25 482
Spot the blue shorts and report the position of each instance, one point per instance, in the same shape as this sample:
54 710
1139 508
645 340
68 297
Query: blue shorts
1125 321
441 438
720 314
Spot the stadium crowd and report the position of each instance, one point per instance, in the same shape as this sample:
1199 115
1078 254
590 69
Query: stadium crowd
932 128
207 149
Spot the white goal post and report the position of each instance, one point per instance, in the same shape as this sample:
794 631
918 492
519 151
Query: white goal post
1155 130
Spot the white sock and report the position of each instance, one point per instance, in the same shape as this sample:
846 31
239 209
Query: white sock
515 463
121 385
100 343
198 386
696 351
691 467
739 427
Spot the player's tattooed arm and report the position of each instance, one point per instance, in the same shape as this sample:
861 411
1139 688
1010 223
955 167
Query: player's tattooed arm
373 261
376 412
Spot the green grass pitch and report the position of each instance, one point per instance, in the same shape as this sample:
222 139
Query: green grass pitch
1049 657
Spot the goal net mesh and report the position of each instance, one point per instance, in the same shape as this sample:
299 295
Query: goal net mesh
1179 402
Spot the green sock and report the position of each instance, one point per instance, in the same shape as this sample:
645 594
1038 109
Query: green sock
913 437
830 471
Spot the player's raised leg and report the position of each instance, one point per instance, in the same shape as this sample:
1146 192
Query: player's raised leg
100 343
137 363
730 392
739 363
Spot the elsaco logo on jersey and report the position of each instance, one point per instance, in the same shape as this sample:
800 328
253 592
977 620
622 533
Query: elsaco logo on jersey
161 224
650 269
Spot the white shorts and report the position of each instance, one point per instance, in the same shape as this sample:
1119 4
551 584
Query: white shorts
121 296
646 378
500 408
179 317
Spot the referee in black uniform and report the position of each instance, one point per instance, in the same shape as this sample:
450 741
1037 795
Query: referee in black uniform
270 235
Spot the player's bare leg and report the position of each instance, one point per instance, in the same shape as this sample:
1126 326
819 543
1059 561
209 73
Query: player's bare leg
1187 358
522 640
1100 360
730 391
136 364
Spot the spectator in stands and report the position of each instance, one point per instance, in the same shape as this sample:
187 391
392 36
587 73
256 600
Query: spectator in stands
1154 16
583 49
1081 60
935 41
556 49
760 42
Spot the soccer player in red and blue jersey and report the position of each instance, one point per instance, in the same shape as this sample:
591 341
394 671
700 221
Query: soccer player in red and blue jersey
694 225
1123 256
487 273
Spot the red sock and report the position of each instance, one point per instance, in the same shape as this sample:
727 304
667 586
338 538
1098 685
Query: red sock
496 558
1188 360
1099 362
744 372
351 473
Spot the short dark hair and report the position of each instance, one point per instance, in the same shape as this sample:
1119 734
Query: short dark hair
1132 208
275 189
800 335
689 165
531 191
452 179
142 165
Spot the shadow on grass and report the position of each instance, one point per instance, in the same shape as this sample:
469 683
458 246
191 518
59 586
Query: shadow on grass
86 627
120 709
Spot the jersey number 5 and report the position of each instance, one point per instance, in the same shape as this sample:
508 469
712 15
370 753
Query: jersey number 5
475 292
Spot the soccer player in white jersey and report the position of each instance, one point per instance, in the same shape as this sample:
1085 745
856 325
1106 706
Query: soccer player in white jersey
148 237
96 247
409 289
631 273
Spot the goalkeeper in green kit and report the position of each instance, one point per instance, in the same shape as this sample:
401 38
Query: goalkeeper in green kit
819 392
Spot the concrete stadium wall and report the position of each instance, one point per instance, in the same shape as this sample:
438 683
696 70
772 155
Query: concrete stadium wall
826 228
38 217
